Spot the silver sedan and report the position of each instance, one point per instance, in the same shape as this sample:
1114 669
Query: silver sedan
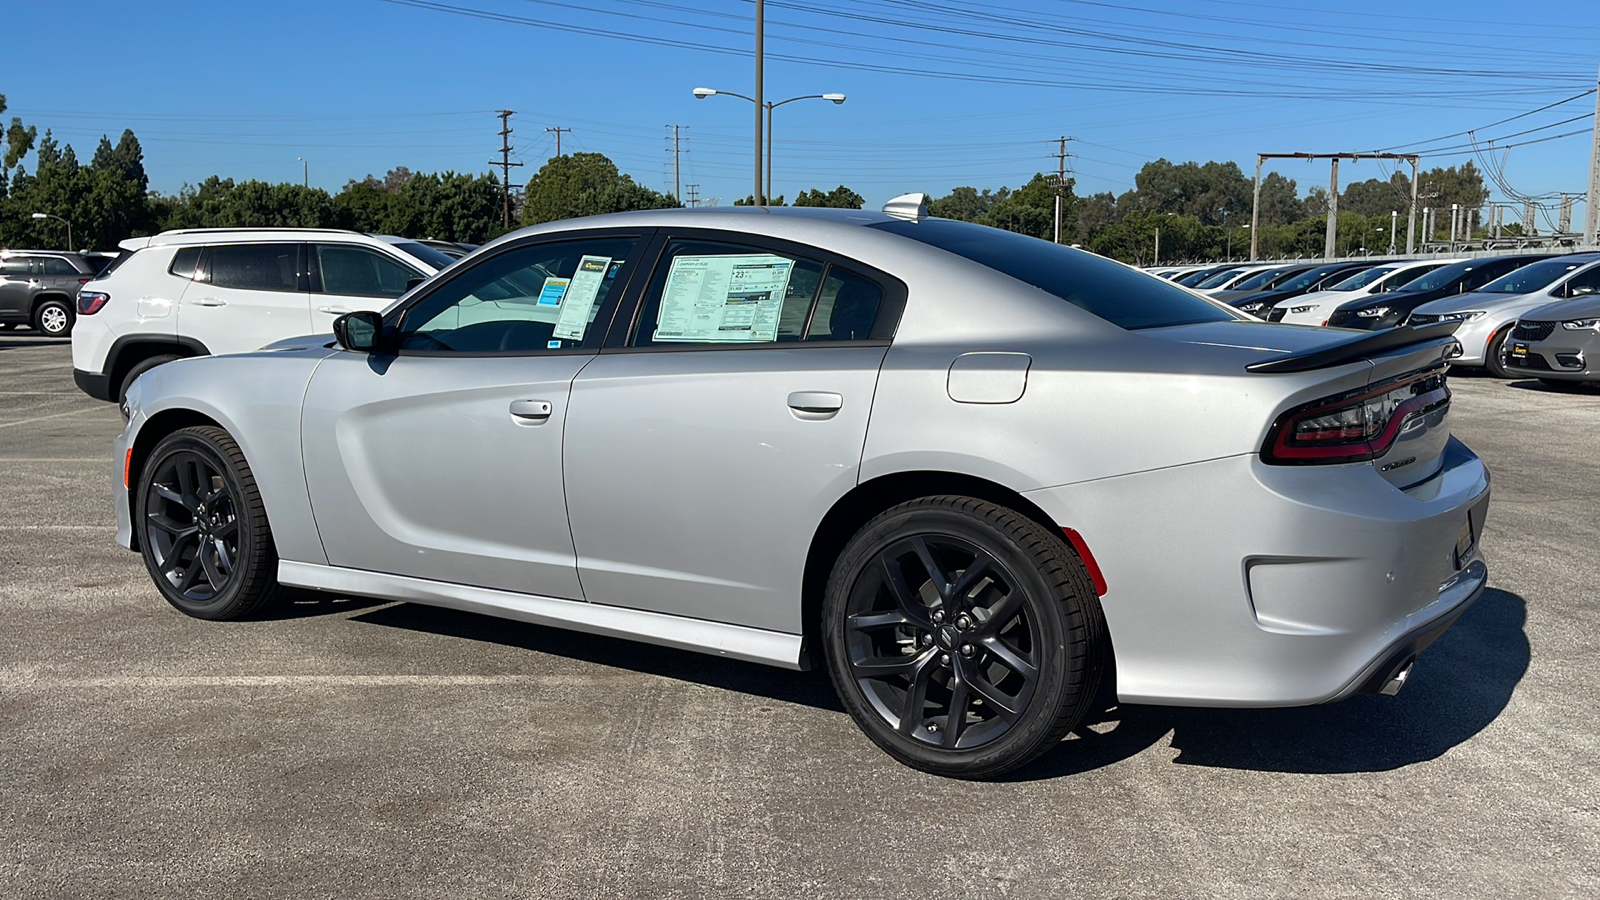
985 480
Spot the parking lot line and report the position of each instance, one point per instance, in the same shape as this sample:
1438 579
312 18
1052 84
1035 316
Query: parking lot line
171 682
51 416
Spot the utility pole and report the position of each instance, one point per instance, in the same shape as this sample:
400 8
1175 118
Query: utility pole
1333 193
505 165
694 195
1255 210
1411 216
1591 210
1455 213
1328 247
757 196
1564 224
676 182
1529 226
558 129
1061 180
1394 219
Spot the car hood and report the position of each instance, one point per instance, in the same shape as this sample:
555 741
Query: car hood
303 342
1479 300
1329 298
1586 308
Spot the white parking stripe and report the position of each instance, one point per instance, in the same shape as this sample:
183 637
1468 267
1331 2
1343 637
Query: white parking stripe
23 681
52 416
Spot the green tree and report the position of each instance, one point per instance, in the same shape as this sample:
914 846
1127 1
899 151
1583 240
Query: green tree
840 197
1031 209
750 200
1213 193
966 203
581 184
1280 200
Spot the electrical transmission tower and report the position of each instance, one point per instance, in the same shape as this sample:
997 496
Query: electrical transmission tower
1061 155
1333 195
676 181
506 166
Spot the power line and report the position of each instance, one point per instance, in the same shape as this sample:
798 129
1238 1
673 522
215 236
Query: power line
1530 112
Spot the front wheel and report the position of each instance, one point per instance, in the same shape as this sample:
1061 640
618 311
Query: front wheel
202 527
1491 356
53 318
963 638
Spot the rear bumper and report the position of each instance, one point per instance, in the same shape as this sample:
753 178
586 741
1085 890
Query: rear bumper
1235 583
94 384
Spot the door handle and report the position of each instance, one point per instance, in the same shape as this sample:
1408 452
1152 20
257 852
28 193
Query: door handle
533 410
209 301
334 310
815 402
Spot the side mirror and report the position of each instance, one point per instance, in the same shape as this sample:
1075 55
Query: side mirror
1582 289
358 331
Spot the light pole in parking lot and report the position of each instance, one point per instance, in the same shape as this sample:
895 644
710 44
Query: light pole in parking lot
765 195
305 172
62 221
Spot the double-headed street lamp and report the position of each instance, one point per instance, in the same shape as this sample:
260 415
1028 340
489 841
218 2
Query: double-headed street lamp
766 195
62 221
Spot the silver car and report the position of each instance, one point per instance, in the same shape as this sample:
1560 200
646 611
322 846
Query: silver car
980 477
1487 315
1558 344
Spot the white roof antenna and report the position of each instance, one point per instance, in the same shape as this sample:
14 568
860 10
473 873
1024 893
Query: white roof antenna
911 207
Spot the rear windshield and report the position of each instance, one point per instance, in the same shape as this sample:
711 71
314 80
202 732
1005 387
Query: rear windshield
432 257
1122 296
122 257
1533 277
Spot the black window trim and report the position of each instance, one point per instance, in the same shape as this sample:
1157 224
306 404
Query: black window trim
620 296
890 309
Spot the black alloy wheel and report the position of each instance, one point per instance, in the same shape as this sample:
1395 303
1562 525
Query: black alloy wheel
202 527
965 639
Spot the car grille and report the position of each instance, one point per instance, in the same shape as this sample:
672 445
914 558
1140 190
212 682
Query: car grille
1531 361
1533 331
1421 319
1340 318
1277 313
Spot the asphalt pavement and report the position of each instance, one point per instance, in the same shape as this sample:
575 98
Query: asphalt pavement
353 748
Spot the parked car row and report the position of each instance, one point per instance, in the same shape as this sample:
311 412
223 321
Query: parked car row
1523 315
985 481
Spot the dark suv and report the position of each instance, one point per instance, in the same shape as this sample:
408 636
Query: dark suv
38 287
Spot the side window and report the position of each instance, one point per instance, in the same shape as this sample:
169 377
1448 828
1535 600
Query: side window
55 265
1482 275
714 293
532 299
256 267
1587 282
361 271
847 308
184 262
15 267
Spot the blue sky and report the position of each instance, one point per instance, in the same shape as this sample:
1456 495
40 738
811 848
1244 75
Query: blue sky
941 92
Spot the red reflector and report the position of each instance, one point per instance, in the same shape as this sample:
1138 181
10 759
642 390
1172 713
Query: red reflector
1095 576
127 464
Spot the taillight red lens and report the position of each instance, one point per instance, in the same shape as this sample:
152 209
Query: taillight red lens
89 302
1357 426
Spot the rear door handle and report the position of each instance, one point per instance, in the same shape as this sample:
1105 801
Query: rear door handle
210 301
334 310
532 410
816 402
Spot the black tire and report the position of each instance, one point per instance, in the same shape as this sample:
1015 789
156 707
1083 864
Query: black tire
202 528
54 318
1018 598
1491 357
139 368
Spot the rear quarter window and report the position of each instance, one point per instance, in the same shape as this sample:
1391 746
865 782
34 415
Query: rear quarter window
1110 290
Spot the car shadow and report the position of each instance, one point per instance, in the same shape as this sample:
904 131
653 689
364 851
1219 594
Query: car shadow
13 343
1576 388
304 604
1459 686
804 688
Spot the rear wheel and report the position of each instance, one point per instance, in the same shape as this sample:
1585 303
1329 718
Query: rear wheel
1491 358
53 318
202 527
963 638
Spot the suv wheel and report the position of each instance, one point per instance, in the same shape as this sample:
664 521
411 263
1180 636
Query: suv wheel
53 318
963 638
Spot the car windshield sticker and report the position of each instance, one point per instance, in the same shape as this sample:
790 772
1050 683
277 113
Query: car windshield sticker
733 298
554 290
578 307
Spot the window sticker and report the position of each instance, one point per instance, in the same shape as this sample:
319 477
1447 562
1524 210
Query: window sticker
554 290
723 299
584 287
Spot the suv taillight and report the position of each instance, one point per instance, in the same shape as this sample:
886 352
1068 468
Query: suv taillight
89 302
1357 426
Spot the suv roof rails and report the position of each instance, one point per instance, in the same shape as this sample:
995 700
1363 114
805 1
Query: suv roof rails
254 228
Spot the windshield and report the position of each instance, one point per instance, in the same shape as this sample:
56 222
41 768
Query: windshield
1122 296
1307 279
1257 280
1218 280
425 253
1362 279
1534 277
1194 278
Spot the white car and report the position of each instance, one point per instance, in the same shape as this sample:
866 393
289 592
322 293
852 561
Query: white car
197 292
1314 309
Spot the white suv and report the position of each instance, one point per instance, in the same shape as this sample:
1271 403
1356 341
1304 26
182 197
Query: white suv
230 290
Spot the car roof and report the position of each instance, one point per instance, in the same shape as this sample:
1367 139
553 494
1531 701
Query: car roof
191 236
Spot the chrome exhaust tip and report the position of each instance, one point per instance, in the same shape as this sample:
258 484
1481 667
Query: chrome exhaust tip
1398 679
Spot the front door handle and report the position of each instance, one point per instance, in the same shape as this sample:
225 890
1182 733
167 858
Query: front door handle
334 310
532 410
816 402
209 301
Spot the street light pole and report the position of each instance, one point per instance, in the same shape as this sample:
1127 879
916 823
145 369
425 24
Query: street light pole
305 172
762 196
39 215
758 100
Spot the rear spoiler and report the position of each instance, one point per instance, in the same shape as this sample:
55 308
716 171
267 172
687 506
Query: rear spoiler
1361 347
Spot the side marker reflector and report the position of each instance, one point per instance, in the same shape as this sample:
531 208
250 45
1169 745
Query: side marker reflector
1095 575
127 464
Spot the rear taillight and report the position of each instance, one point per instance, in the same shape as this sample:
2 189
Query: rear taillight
89 302
1356 426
